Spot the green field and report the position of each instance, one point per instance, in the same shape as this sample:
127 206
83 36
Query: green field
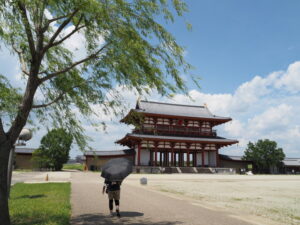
40 204
75 166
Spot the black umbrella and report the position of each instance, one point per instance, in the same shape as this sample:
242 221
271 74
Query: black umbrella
116 169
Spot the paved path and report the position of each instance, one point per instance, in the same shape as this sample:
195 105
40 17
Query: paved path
139 206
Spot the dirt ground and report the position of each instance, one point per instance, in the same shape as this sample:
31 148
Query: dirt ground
272 197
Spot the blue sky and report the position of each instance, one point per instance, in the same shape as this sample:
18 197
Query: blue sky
248 56
234 40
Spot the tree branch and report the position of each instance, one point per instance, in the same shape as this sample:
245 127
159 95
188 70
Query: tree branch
51 75
67 36
39 29
60 96
2 132
27 28
53 20
59 29
21 58
77 28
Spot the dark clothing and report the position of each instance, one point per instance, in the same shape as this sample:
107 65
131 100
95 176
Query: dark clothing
111 204
113 185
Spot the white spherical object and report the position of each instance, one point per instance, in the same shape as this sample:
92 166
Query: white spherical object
143 181
25 135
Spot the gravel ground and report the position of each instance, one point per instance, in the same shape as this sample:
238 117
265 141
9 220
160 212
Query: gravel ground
275 198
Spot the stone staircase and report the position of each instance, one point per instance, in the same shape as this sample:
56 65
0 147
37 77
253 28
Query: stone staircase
170 170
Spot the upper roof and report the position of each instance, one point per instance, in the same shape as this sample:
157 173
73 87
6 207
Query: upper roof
24 150
110 153
175 110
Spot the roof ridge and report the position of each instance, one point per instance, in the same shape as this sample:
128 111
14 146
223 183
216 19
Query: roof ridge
165 103
108 150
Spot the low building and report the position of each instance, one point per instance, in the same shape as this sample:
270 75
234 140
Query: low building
291 165
236 162
94 160
23 158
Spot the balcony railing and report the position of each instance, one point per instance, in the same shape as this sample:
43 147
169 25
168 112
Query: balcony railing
170 130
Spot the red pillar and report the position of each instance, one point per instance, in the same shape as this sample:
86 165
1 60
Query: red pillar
181 158
195 155
202 152
188 158
139 153
217 157
172 157
168 160
151 157
155 154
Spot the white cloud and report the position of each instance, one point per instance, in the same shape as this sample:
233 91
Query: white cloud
272 119
290 80
235 128
75 43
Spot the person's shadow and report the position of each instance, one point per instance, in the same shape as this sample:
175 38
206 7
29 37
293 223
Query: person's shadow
131 214
133 218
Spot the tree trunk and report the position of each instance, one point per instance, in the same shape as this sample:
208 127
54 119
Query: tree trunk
5 147
7 141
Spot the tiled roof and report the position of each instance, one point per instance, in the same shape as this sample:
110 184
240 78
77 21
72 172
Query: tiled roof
214 140
110 153
230 157
24 150
286 161
176 110
291 161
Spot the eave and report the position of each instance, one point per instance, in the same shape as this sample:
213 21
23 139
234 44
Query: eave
129 139
216 120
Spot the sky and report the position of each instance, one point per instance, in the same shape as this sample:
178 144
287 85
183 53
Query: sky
247 54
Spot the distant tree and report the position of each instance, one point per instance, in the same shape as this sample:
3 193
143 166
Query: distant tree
54 150
265 155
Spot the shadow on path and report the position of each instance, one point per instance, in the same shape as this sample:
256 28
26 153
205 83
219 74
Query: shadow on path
101 219
131 214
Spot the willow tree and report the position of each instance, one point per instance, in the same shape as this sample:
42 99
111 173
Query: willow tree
125 44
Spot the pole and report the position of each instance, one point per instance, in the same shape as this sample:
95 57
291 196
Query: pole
10 169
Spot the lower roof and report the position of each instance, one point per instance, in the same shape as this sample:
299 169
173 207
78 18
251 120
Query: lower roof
110 153
286 161
291 161
24 150
233 158
213 140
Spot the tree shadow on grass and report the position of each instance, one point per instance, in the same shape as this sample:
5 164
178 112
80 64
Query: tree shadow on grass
22 219
133 218
31 196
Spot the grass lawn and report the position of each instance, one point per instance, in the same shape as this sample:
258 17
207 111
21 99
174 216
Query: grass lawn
75 166
40 204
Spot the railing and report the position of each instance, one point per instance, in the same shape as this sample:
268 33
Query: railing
176 131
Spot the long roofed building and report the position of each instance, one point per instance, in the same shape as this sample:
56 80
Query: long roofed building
172 135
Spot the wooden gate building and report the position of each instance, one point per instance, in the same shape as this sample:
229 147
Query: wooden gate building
172 135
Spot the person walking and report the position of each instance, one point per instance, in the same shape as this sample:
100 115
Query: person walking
113 189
